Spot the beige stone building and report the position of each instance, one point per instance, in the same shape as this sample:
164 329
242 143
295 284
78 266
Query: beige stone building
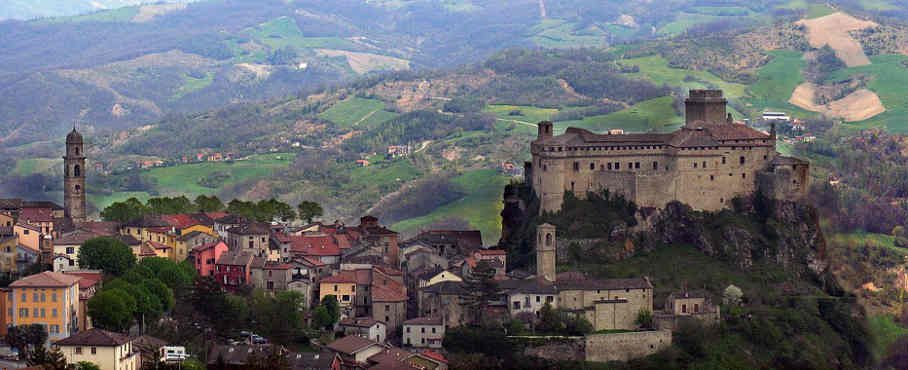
110 351
424 332
705 164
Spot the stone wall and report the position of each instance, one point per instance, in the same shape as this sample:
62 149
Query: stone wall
625 346
559 350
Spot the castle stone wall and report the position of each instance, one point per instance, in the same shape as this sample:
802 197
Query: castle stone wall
626 346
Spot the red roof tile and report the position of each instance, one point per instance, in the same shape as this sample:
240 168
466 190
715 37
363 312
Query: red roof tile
308 245
36 215
47 279
341 277
435 356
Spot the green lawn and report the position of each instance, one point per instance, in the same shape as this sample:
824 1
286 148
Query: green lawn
776 81
480 206
192 84
184 178
282 32
651 115
356 111
878 5
683 21
556 33
889 76
656 69
884 331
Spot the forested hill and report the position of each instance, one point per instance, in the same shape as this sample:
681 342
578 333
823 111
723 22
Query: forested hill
125 67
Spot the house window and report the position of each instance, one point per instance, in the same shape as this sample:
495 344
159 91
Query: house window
408 329
549 299
335 288
251 243
683 308
516 305
609 166
23 312
617 165
345 298
655 165
387 319
723 160
712 177
537 299
53 312
70 250
637 165
387 307
742 160
576 166
696 307
94 350
743 175
695 164
78 350
422 330
592 166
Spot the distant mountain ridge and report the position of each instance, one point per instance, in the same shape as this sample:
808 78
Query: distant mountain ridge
32 9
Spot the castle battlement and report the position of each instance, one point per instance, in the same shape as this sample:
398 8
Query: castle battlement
706 163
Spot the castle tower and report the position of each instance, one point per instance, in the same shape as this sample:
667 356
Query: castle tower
74 178
704 106
545 252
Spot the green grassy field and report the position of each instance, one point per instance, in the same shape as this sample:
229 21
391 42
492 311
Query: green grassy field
889 76
651 115
793 5
776 81
356 111
192 84
527 113
817 10
735 11
885 331
283 32
556 33
480 207
124 14
384 174
684 21
870 239
35 165
878 5
184 178
655 68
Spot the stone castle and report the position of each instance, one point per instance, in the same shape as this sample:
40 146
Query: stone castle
705 164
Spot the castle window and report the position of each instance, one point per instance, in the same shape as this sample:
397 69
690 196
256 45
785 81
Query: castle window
765 157
602 167
77 150
576 166
610 166
545 168
637 165
548 239
592 166
743 175
695 164
704 164
742 160
77 171
723 160
712 178
617 165
655 165
630 165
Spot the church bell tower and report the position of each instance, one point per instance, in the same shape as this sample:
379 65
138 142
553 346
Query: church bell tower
74 178
545 253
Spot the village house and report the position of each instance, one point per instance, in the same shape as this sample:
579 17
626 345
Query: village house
226 222
252 238
204 257
66 249
424 332
9 242
237 357
694 305
443 300
365 327
49 299
271 276
354 351
449 243
342 286
108 350
232 270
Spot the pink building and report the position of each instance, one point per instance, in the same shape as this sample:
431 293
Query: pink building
205 257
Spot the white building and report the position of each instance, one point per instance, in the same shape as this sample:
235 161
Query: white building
425 332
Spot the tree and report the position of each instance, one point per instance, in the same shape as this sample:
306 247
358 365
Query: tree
167 271
129 210
107 254
49 360
645 319
209 203
327 313
549 320
24 337
112 309
309 210
732 295
167 205
480 287
85 365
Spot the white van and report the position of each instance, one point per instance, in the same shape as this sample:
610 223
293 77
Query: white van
173 354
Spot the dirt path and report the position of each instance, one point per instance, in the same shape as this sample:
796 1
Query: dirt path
570 90
365 118
834 30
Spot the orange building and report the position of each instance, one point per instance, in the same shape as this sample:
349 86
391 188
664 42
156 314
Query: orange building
50 299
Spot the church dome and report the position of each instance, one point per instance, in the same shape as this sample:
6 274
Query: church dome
74 137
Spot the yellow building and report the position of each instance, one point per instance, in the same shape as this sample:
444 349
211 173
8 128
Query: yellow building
110 351
342 286
8 253
50 299
29 235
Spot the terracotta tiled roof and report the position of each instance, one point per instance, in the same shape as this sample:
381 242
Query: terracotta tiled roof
345 277
446 288
41 204
216 215
128 240
157 245
77 237
706 135
425 321
308 245
391 359
27 226
231 219
235 259
94 338
47 279
107 228
435 356
10 203
360 322
204 247
181 221
352 344
252 228
492 252
363 276
388 293
86 279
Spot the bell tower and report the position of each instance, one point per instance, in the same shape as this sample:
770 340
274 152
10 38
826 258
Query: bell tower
74 177
545 253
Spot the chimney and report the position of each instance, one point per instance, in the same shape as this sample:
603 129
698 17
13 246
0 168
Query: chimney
544 130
